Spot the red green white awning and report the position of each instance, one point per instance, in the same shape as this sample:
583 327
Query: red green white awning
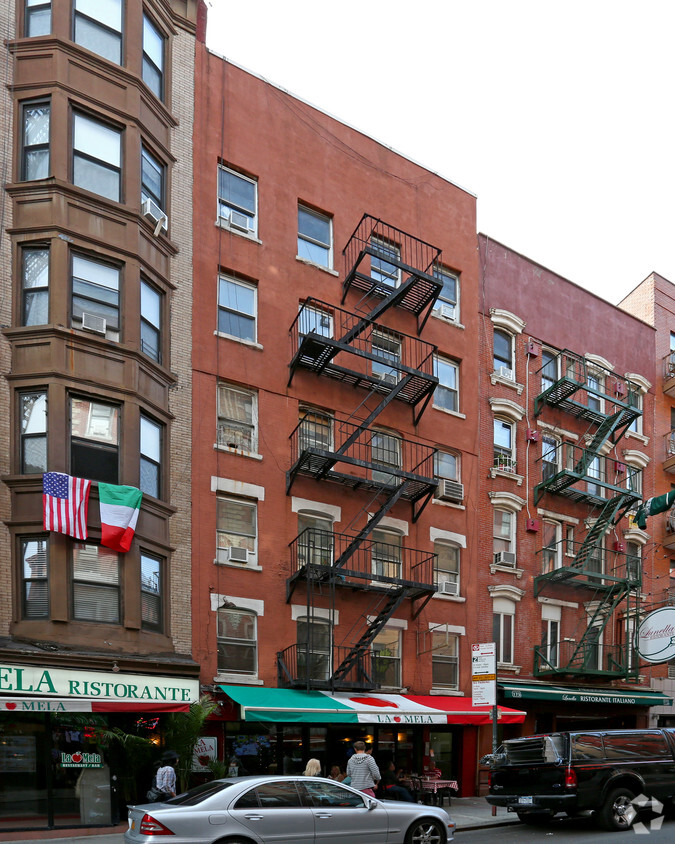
75 704
318 707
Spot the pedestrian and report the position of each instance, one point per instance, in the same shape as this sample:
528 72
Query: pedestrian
393 790
336 774
363 770
166 775
313 768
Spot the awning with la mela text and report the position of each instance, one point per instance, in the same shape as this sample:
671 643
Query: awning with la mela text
580 694
53 704
317 707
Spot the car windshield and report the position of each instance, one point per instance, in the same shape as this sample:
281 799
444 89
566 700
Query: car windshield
199 793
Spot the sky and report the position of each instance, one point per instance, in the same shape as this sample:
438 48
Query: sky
558 116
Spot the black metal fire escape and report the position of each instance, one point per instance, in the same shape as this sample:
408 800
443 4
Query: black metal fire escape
390 269
586 474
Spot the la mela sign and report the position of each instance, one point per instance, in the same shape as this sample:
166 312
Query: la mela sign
29 679
655 639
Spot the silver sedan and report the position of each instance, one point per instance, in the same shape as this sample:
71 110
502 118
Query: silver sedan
292 810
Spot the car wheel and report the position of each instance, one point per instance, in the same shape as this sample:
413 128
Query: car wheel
535 818
617 812
425 831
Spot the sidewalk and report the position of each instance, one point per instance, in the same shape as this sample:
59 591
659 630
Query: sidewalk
467 813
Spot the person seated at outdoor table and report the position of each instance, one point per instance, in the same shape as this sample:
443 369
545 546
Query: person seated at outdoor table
393 790
336 774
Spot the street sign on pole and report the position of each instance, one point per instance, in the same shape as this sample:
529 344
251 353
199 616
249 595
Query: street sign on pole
484 674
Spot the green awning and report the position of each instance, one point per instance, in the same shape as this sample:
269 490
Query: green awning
578 694
313 707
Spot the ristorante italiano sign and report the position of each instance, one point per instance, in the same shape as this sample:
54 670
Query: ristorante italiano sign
16 680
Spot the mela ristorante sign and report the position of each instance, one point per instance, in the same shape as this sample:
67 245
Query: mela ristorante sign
79 759
655 638
19 680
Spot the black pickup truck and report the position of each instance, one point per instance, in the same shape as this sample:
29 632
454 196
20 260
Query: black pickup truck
612 775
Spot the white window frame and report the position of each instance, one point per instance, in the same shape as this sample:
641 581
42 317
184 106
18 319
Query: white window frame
446 307
222 551
388 348
316 420
555 364
499 368
315 320
502 609
504 456
510 539
227 206
551 643
439 658
223 308
447 575
387 248
554 448
317 553
388 443
596 380
250 643
323 624
440 363
383 565
596 464
394 659
306 241
235 442
551 558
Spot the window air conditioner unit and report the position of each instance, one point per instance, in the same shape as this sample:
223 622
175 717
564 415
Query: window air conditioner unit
240 221
448 311
236 555
448 587
151 211
505 558
450 490
387 377
93 322
505 372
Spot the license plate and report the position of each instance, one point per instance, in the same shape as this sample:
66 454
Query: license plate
525 800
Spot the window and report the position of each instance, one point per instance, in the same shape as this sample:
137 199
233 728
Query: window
151 321
504 457
238 201
551 642
549 457
549 370
153 57
236 531
33 413
551 547
314 648
237 641
35 141
502 633
96 297
593 649
595 561
446 466
382 270
569 541
35 577
594 470
94 440
503 354
98 27
38 18
151 457
97 157
386 553
151 592
314 320
447 568
96 584
387 348
386 452
503 537
315 430
447 304
446 395
386 656
237 418
594 381
634 479
315 542
35 285
315 237
633 561
152 178
237 305
445 660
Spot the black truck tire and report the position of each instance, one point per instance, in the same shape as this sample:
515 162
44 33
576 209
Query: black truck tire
617 813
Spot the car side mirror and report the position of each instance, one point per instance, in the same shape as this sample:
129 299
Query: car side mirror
370 803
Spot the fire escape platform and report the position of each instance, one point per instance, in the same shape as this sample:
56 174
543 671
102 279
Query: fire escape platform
567 483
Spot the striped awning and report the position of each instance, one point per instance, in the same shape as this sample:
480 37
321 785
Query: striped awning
75 704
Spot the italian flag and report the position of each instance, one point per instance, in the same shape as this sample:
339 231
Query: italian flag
119 514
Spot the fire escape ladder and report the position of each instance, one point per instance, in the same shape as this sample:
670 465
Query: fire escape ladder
602 524
604 611
375 625
602 434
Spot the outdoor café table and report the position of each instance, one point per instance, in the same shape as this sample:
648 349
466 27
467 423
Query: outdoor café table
432 786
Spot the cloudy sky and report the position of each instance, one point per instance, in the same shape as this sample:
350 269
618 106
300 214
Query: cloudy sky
559 117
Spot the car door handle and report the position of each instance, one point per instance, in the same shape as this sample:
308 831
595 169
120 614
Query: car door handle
324 815
253 817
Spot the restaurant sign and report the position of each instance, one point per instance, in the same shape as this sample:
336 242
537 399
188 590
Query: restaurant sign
655 639
81 760
19 680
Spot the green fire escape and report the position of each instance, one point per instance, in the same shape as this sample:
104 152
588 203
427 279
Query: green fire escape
608 579
387 269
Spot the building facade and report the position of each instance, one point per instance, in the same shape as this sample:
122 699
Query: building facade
95 379
568 429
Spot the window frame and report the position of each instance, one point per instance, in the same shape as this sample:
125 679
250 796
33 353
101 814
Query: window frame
498 362
386 439
147 58
224 309
113 332
100 27
511 539
149 460
305 238
439 659
31 9
447 301
251 447
25 436
554 448
390 563
391 659
222 550
26 582
147 192
503 635
547 381
92 443
306 648
551 552
101 164
596 381
250 643
550 643
41 290
504 457
146 321
314 553
110 587
443 388
319 420
378 273
389 353
35 148
439 472
226 220
157 596
451 574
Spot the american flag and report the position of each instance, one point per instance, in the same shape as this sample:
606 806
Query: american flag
65 501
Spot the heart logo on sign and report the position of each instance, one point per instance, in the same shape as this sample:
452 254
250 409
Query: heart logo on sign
397 717
10 705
